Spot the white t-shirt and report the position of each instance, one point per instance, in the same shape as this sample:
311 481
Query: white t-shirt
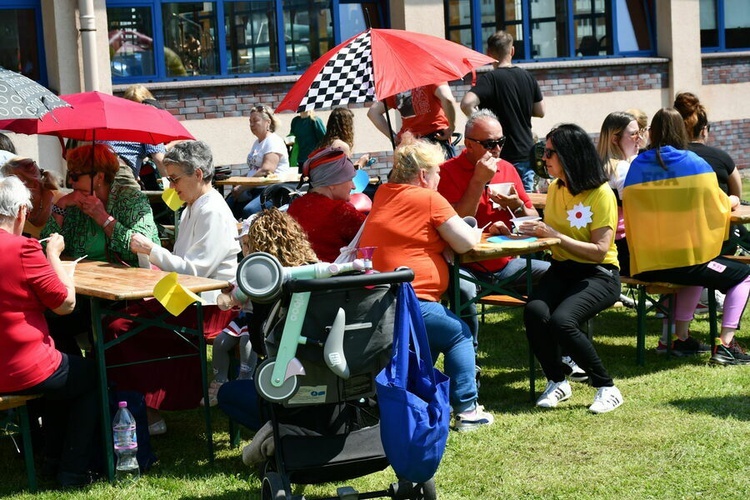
273 143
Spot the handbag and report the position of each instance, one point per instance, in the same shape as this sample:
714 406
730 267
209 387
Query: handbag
413 397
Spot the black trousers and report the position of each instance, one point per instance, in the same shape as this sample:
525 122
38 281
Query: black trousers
568 295
70 414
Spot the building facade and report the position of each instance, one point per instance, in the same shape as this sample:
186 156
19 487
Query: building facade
210 62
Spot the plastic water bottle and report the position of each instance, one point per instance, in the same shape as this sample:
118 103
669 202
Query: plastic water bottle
126 445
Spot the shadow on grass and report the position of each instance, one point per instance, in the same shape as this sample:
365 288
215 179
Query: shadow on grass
735 407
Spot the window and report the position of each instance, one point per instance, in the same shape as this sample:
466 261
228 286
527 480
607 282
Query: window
20 39
725 25
158 40
555 29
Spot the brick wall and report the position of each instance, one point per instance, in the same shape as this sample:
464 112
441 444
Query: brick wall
729 69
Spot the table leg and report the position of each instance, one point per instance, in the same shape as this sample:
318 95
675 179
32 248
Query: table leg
204 378
106 419
532 359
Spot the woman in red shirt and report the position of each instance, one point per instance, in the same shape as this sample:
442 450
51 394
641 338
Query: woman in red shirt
326 215
29 362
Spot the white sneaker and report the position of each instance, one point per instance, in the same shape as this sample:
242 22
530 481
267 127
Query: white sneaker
554 393
573 371
606 399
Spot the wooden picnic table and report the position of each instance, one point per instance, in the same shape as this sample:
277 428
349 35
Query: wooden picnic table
102 281
486 250
539 200
741 215
258 181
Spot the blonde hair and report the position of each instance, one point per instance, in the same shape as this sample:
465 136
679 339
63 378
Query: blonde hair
609 149
137 93
640 116
412 156
277 233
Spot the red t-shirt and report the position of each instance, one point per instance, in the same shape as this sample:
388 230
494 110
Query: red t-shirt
30 286
421 111
403 227
329 224
455 175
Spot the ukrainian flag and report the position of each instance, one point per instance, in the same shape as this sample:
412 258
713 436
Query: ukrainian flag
675 217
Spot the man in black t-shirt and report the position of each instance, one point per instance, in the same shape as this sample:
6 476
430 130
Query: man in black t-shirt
514 96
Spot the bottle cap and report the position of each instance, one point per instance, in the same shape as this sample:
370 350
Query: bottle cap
122 404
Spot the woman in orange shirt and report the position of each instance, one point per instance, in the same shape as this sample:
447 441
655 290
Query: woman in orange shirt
411 224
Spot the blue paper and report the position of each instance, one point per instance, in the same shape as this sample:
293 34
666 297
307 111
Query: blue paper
505 239
361 180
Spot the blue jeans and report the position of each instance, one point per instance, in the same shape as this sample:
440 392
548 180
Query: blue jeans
514 266
240 401
450 336
247 204
527 175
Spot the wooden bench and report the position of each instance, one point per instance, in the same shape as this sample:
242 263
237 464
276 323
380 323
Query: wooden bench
649 290
18 402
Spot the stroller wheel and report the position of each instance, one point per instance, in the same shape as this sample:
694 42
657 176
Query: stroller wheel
407 490
273 487
270 391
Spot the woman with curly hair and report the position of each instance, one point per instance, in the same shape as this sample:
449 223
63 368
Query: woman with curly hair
278 234
340 134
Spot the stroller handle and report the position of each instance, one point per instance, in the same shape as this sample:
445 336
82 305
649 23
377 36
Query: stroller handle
400 275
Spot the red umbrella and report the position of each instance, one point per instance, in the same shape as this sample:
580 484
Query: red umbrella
379 63
101 117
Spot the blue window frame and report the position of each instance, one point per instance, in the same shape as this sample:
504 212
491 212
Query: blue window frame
556 29
163 40
725 25
21 43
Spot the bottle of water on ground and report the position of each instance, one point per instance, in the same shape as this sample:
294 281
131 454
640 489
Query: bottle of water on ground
126 445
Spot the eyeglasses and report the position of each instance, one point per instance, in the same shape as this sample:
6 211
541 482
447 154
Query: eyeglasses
490 143
549 152
173 180
74 176
643 131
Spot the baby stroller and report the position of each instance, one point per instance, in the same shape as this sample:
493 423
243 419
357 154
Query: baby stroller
327 337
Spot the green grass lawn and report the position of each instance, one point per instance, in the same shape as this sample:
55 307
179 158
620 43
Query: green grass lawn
682 433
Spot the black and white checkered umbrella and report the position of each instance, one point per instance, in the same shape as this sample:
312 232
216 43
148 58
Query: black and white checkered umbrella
376 64
22 97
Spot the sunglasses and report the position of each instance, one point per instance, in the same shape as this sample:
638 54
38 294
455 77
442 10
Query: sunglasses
490 143
74 176
262 109
549 152
173 180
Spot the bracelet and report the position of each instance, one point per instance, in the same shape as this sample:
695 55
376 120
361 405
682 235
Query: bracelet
109 221
519 208
57 210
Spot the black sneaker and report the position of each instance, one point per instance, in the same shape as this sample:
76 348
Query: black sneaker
730 355
688 347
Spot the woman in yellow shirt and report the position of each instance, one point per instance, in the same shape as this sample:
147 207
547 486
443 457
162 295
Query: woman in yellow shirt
583 278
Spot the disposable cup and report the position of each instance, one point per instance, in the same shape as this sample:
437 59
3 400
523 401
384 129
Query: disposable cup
501 188
69 267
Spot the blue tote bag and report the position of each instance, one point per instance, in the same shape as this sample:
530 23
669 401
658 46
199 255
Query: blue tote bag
413 397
